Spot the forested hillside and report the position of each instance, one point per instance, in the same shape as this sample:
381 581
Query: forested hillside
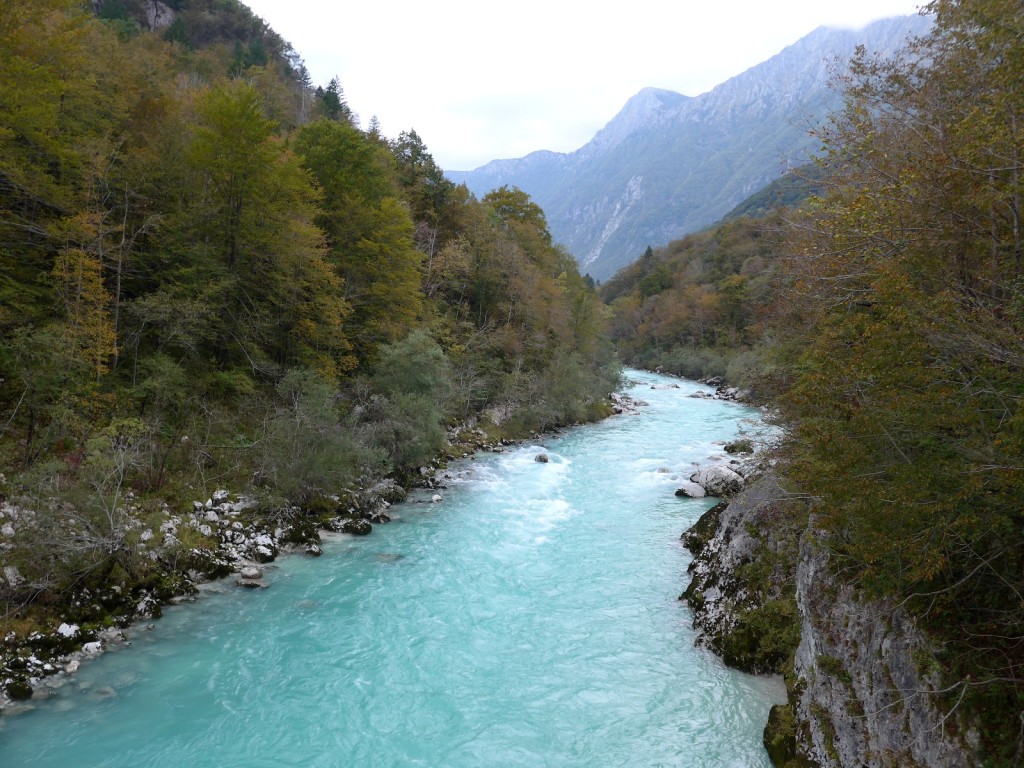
210 277
885 322
699 306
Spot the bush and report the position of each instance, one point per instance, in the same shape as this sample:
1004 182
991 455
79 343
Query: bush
308 450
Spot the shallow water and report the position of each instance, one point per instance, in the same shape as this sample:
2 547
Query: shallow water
529 619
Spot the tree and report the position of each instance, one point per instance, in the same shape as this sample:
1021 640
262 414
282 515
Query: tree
332 102
907 277
248 233
59 103
369 232
515 206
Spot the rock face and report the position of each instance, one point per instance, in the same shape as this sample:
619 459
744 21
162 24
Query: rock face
158 15
861 685
865 679
742 592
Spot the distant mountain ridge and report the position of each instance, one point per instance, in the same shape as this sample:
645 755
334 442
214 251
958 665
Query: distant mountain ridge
668 164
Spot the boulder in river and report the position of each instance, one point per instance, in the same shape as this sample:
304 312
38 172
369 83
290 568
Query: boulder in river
718 481
252 583
542 458
250 572
357 527
19 689
743 445
691 490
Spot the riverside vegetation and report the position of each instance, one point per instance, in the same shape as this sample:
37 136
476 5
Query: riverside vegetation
884 321
211 277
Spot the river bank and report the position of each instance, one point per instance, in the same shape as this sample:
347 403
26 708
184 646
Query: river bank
227 536
533 594
862 682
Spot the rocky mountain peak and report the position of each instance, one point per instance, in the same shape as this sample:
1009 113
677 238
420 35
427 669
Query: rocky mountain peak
668 164
646 108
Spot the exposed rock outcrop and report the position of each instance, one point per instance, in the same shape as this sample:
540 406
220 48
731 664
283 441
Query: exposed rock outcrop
718 480
742 591
861 676
158 15
866 679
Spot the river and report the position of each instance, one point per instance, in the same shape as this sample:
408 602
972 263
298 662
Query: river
528 619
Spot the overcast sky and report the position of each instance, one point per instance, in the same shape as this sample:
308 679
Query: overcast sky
480 81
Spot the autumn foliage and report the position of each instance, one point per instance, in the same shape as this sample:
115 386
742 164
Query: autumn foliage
211 276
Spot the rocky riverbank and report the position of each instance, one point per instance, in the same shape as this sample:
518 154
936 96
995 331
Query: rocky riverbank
225 535
862 682
216 538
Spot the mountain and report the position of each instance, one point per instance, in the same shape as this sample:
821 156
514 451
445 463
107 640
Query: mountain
669 164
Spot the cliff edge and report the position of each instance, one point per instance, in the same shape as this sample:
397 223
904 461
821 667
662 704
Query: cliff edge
863 685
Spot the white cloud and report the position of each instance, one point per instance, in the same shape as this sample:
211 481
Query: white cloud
481 81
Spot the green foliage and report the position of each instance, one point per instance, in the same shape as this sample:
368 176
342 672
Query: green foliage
414 366
308 451
514 206
790 190
213 281
369 232
905 395
697 304
332 102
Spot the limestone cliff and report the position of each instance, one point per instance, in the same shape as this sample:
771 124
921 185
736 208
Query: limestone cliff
863 684
866 680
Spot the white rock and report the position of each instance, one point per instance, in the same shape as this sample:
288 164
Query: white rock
67 630
94 647
435 498
7 530
12 575
718 481
250 572
692 490
211 517
73 666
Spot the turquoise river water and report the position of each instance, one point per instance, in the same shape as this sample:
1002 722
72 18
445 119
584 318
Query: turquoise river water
528 619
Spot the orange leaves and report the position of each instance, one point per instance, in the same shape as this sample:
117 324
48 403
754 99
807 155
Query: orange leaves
88 330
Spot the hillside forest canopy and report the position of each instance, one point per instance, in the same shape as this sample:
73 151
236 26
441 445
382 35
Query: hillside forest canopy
211 277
